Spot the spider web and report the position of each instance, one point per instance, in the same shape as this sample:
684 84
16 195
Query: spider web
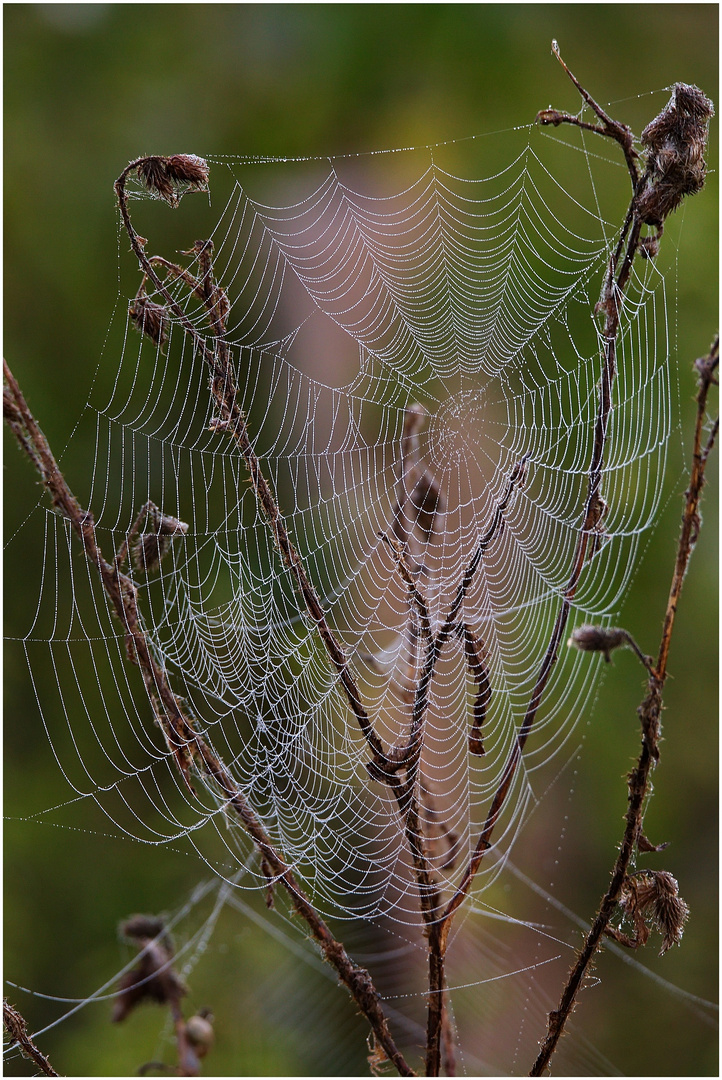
403 335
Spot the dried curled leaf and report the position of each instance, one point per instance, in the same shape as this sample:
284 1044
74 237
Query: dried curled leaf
645 844
150 319
155 542
477 661
153 977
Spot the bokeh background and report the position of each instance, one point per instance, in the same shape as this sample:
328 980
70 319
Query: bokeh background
88 87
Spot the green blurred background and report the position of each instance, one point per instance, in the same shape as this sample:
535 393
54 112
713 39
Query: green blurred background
87 88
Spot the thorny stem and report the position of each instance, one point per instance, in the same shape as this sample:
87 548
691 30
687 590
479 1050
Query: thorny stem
231 419
409 757
610 305
383 766
649 714
176 724
17 1028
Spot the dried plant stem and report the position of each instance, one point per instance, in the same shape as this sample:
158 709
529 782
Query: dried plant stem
654 184
649 714
177 726
616 283
233 422
384 766
231 419
17 1028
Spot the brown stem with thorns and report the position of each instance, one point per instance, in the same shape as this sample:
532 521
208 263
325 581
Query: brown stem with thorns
232 421
178 727
649 714
17 1029
651 200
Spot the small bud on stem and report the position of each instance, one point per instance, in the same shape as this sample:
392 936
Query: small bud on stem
605 639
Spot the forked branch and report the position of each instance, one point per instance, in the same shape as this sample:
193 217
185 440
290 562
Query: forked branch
177 725
385 765
17 1029
674 144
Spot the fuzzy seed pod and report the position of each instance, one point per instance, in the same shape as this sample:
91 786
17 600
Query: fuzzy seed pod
598 639
675 144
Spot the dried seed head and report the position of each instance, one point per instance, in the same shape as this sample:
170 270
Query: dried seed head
151 319
652 897
163 176
188 169
154 544
670 910
139 927
675 144
152 171
601 639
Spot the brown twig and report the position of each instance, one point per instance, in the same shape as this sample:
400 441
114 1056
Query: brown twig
609 127
692 115
232 421
17 1028
177 725
649 714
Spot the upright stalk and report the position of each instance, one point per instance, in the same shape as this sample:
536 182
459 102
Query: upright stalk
649 714
177 725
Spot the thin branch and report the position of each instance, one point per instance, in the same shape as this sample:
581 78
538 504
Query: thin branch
177 725
608 127
649 714
17 1028
232 421
684 125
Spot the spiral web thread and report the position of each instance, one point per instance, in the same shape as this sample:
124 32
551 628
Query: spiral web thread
471 299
